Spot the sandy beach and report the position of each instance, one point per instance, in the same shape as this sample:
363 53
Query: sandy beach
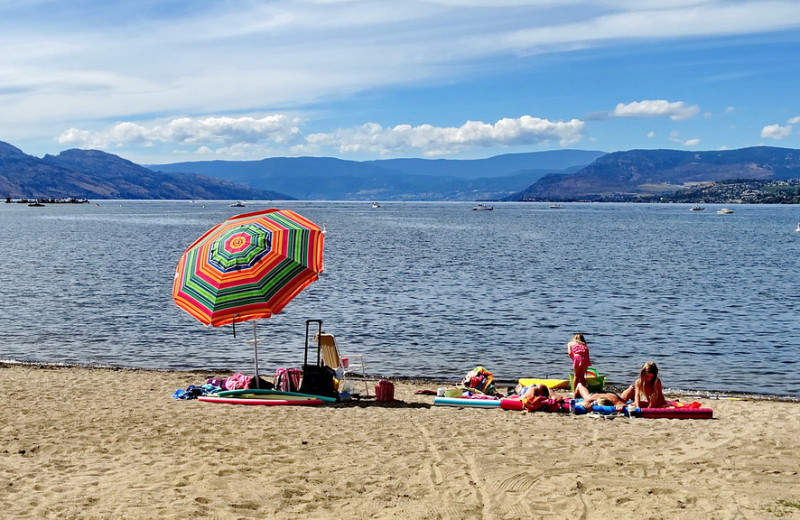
113 443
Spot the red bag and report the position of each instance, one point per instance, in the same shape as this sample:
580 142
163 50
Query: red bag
384 391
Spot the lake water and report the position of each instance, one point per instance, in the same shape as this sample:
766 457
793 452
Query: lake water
428 290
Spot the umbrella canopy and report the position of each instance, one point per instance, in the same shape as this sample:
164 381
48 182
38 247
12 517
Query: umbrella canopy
248 267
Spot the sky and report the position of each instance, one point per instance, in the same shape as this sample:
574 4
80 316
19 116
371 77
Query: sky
161 81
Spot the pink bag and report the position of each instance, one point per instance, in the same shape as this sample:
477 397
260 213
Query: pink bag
288 379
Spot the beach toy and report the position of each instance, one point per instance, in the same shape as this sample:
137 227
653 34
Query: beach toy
467 401
271 394
453 392
594 381
602 410
264 401
675 413
549 383
511 403
648 413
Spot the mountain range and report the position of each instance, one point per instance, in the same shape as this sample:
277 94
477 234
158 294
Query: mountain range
558 175
93 174
314 178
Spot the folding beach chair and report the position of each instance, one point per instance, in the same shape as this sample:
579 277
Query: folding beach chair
343 365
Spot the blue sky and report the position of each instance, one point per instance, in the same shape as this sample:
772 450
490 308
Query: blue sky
167 81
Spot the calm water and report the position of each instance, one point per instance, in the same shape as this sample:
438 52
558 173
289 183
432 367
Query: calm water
428 290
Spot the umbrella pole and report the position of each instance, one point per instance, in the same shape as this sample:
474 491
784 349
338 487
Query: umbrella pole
255 351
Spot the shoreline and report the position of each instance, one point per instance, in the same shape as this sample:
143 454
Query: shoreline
500 384
91 443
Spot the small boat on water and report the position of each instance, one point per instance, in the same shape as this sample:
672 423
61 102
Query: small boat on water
697 208
724 211
36 204
798 227
555 206
376 205
237 204
482 207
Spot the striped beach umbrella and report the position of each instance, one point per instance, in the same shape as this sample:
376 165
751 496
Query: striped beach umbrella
248 267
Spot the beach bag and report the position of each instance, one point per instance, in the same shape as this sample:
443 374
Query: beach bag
384 391
288 379
481 380
238 382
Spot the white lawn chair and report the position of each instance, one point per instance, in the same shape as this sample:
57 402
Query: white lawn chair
343 365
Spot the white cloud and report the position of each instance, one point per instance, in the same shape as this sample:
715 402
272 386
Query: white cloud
675 137
776 132
651 134
432 140
676 110
202 132
794 120
243 136
83 138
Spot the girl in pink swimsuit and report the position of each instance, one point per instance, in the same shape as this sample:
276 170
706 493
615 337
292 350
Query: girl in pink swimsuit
579 353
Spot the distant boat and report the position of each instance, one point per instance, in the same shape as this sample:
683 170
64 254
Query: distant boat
376 205
482 207
798 227
697 208
238 204
555 206
35 205
724 211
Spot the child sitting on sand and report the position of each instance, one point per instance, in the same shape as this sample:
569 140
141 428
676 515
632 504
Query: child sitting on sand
579 353
647 391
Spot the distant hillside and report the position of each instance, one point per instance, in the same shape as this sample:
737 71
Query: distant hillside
98 175
325 178
634 173
493 167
